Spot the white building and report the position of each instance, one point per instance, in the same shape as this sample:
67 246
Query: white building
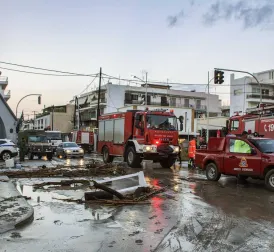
245 91
113 97
7 117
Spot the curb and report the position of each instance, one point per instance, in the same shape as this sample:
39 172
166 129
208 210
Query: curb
28 215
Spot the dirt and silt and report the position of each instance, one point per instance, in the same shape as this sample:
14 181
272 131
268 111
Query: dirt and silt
192 215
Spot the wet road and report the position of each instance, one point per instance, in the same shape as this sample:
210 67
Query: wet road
204 216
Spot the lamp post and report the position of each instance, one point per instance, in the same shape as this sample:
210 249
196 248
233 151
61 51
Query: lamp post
146 86
39 100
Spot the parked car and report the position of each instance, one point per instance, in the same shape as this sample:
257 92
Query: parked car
8 149
69 149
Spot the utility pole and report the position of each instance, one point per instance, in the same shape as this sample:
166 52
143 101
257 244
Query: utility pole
52 117
207 108
99 94
146 88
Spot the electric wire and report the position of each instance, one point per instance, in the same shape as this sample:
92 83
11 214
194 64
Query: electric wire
45 69
47 74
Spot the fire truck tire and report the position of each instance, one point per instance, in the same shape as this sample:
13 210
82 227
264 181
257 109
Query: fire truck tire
269 180
212 172
106 157
133 159
167 163
49 157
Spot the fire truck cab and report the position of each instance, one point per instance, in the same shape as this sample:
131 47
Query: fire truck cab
136 135
257 121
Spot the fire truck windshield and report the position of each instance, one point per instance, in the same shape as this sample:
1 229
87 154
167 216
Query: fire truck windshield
264 145
161 122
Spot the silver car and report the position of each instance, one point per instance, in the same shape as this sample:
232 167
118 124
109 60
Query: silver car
69 149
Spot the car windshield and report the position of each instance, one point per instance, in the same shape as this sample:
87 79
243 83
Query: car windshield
37 139
69 145
53 135
264 145
161 122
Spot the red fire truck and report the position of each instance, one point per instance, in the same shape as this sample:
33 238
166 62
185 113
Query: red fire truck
258 121
83 138
136 135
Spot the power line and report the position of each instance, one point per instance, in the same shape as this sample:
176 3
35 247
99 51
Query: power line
45 69
21 71
89 85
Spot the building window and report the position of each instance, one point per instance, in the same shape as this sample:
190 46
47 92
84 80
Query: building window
134 97
238 91
187 103
265 92
172 101
198 104
255 90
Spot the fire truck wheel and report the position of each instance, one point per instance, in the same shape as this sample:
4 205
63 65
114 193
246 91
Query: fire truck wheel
133 159
212 172
106 157
269 180
167 163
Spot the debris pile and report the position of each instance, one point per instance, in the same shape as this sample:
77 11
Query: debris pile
109 196
91 169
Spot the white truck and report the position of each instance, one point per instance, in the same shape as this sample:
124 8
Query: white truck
54 137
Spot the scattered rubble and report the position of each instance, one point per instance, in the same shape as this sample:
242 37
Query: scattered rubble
90 169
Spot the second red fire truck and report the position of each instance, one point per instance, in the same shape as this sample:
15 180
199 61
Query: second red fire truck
258 121
136 135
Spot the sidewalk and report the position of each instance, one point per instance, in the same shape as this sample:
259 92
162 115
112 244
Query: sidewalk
14 209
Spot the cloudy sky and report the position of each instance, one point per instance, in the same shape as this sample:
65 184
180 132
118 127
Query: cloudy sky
178 40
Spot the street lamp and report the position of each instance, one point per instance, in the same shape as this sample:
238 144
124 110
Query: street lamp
135 77
39 100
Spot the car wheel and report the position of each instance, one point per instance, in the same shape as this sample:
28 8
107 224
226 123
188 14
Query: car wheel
269 180
6 155
212 172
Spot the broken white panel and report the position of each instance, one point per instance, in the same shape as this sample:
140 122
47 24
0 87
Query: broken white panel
141 180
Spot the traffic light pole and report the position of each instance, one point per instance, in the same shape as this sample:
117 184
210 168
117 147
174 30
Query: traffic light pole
207 106
239 71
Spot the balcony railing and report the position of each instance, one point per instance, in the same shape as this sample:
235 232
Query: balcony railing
166 104
257 96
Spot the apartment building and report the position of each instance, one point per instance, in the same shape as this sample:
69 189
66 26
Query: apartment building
56 118
113 97
245 92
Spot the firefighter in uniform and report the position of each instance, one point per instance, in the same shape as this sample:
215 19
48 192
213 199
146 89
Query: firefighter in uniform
191 152
241 146
22 149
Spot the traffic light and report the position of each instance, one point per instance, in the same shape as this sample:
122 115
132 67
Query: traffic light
39 99
221 77
218 77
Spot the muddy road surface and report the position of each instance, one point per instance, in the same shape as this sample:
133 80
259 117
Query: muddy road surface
194 215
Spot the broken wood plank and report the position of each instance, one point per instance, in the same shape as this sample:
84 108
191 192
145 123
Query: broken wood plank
107 189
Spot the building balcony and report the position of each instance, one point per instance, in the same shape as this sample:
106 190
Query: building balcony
7 95
257 97
4 81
